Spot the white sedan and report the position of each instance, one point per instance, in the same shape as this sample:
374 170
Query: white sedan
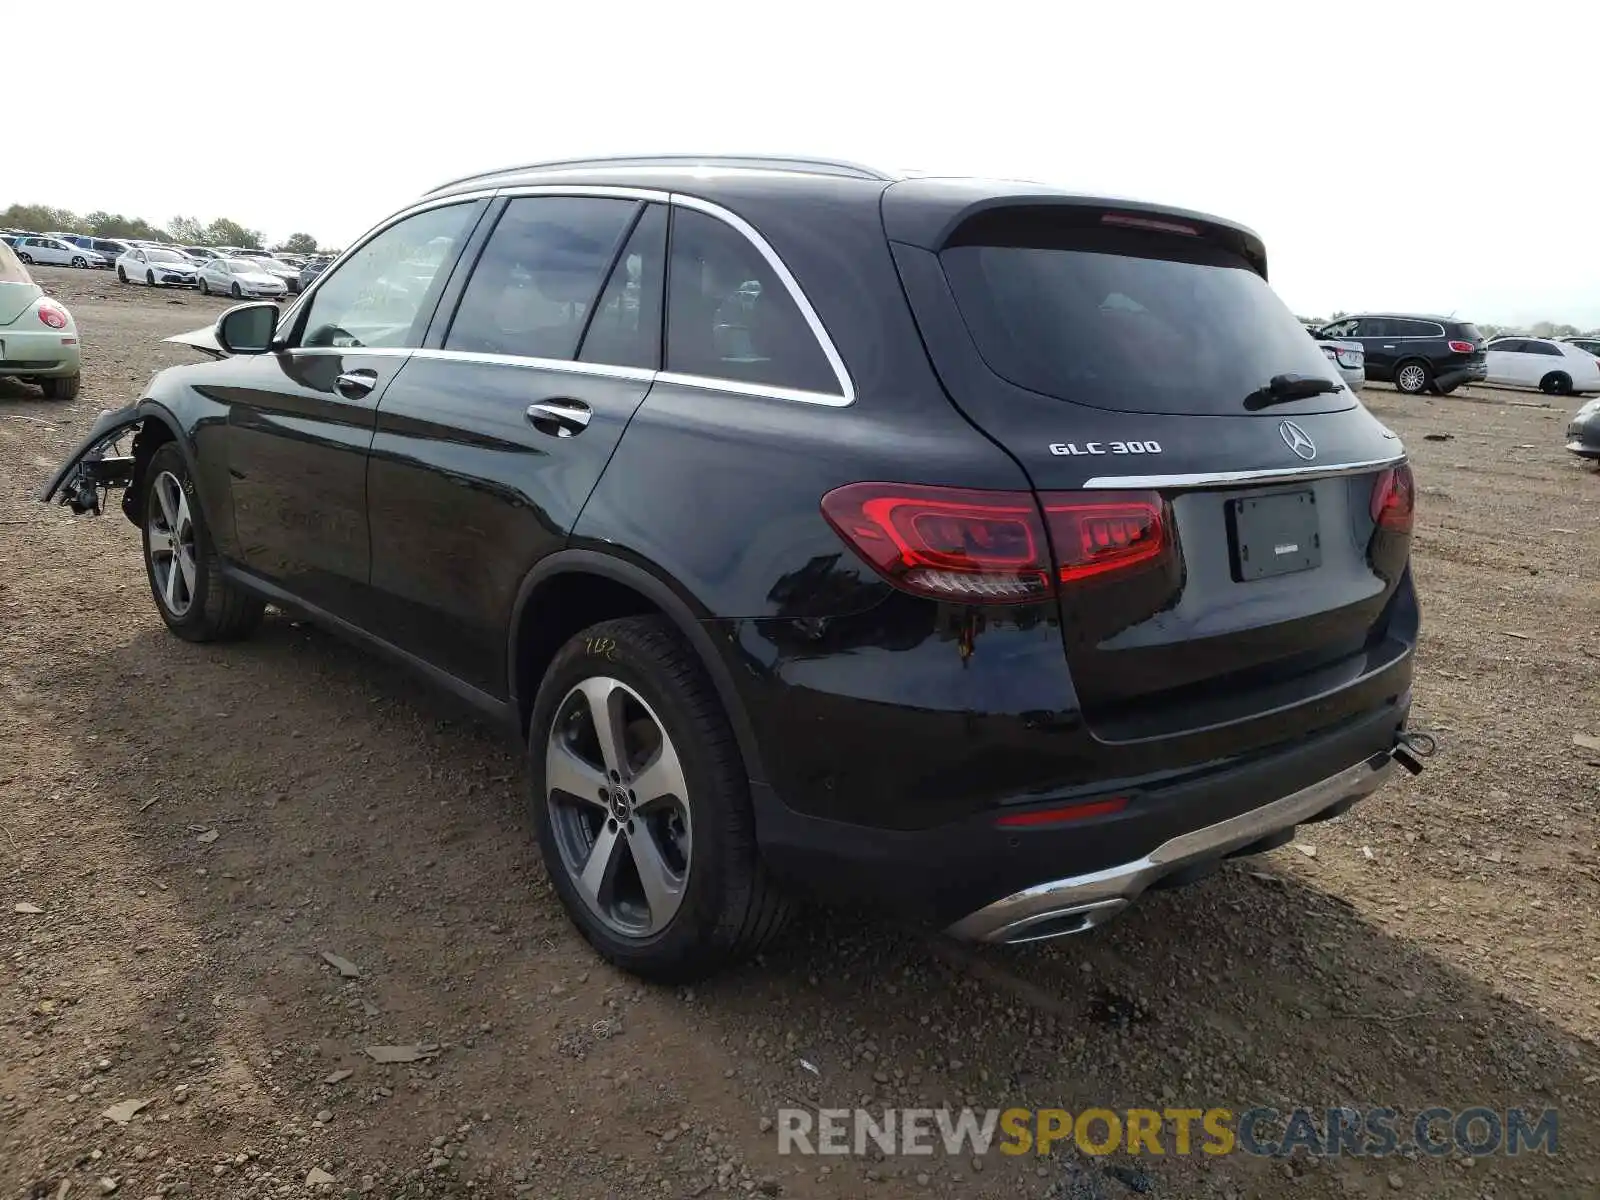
38 340
49 251
1555 368
239 277
156 267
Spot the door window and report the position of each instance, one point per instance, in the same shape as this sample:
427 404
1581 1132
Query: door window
729 315
535 284
1544 348
383 294
625 330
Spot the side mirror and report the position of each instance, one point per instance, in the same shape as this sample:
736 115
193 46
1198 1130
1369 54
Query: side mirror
247 328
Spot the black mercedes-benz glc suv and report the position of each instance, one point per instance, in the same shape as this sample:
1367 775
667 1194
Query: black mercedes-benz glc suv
979 550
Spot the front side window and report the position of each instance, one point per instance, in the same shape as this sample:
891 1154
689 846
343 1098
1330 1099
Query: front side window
729 315
535 284
378 296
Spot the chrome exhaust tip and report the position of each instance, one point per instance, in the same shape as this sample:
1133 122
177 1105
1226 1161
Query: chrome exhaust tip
1058 923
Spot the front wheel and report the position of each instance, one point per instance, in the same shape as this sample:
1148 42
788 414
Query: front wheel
238 292
643 807
194 599
1413 378
122 276
1557 383
79 260
205 288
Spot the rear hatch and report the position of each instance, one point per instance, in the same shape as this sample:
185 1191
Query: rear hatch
1249 523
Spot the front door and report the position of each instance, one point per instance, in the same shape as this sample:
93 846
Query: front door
491 440
300 420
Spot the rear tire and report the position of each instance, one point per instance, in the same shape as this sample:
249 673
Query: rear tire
194 599
713 902
1412 377
63 387
26 259
1557 383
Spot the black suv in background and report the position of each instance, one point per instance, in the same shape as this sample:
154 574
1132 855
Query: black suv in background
1416 354
983 551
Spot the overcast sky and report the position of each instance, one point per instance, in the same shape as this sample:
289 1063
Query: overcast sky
1408 155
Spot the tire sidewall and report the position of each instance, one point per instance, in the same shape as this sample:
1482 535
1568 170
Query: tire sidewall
609 650
168 458
1555 384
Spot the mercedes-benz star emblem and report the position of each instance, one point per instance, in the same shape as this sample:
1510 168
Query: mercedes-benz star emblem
1295 438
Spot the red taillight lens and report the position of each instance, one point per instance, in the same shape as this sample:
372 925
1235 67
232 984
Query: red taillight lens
981 547
1462 347
1128 221
1097 532
1062 813
951 543
53 315
1394 499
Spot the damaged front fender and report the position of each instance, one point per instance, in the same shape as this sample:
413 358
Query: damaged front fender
95 466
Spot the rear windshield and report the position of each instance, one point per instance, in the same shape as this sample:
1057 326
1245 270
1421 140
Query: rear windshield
1127 320
11 268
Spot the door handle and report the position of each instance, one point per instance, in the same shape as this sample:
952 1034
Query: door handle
1388 345
560 418
356 384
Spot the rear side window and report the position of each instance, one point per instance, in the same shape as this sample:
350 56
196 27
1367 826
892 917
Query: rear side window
1543 348
1123 319
729 315
1414 329
533 288
625 330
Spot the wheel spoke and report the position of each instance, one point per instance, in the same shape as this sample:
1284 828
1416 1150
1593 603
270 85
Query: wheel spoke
183 512
660 779
600 872
662 892
604 698
165 486
160 541
185 557
169 588
568 774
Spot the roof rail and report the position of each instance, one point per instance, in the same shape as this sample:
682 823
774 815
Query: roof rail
758 162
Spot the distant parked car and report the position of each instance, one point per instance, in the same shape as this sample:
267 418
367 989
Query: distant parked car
1416 354
156 266
1348 357
38 339
1555 368
202 253
278 269
1583 434
294 260
49 251
310 271
239 277
1591 344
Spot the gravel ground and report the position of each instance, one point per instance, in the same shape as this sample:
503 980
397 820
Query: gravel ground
199 825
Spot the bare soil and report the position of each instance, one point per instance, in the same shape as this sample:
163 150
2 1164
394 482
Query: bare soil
1442 946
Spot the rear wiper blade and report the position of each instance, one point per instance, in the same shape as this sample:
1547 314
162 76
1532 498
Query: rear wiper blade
1284 388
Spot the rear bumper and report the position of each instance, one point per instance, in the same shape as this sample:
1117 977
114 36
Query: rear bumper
983 880
1080 902
1583 438
38 354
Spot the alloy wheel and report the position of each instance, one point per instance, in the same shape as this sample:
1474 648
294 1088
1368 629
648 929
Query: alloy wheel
169 529
618 807
1412 378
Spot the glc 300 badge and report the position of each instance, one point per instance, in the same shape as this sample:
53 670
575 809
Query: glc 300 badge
1296 439
1065 448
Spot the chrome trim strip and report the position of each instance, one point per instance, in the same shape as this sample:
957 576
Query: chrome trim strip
1225 478
604 370
376 351
846 387
764 391
1099 894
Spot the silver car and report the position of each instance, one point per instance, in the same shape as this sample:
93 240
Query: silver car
239 277
1348 357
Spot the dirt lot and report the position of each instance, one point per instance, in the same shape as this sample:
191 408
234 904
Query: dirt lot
199 825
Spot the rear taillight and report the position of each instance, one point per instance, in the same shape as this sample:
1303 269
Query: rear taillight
983 547
1350 358
1394 499
53 315
1462 347
1127 221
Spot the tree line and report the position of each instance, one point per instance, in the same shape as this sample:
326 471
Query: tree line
183 231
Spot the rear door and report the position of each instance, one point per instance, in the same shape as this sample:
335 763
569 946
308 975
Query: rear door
300 421
490 441
1129 371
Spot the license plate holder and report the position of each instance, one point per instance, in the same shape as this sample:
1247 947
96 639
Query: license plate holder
1276 534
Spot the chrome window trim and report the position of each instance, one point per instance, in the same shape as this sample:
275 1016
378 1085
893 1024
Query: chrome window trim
377 351
847 391
1225 478
570 366
845 397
